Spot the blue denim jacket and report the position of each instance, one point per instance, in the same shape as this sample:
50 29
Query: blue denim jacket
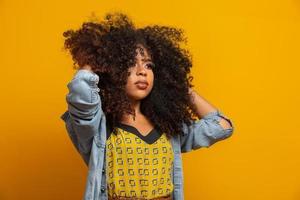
85 123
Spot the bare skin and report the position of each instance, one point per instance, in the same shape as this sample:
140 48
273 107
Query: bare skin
203 107
87 67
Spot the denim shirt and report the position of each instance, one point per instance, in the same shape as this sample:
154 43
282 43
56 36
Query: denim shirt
85 123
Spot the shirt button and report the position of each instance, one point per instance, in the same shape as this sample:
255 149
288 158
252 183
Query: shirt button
102 189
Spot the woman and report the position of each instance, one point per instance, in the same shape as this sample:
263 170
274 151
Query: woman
132 110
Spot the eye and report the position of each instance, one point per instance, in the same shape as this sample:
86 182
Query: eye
151 65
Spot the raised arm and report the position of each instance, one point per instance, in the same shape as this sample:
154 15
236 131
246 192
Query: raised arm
212 127
84 112
205 132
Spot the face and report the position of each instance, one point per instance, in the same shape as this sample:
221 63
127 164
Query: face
140 79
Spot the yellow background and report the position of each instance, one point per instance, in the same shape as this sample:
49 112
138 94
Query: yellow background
246 63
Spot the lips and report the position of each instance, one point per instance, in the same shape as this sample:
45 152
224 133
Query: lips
142 84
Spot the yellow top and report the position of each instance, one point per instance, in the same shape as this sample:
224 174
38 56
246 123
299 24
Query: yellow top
137 165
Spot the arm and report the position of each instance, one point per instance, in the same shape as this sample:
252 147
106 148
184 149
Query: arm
84 110
202 107
205 132
212 127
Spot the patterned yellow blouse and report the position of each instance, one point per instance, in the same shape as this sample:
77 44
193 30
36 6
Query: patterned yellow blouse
136 165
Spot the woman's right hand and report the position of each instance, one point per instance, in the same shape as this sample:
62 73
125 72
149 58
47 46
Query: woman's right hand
89 68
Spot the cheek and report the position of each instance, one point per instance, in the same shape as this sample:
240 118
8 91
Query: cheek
130 84
152 79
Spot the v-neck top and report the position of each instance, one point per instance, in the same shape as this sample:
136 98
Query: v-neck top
136 165
150 138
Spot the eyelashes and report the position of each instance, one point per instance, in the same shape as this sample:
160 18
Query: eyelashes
151 65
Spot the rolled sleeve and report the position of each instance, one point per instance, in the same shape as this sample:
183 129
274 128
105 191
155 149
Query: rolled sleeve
84 109
205 132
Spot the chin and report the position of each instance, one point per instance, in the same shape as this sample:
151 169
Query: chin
138 97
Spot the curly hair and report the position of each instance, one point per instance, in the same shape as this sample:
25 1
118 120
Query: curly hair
109 47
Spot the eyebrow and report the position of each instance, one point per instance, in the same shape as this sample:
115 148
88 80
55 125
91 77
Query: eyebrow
146 59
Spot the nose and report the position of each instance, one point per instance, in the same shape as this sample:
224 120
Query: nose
141 70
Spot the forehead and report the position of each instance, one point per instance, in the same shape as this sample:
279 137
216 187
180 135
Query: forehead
142 52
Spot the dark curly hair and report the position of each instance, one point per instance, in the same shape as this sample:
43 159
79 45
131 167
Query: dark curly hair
109 47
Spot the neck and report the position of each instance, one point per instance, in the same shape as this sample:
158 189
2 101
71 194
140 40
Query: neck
136 105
